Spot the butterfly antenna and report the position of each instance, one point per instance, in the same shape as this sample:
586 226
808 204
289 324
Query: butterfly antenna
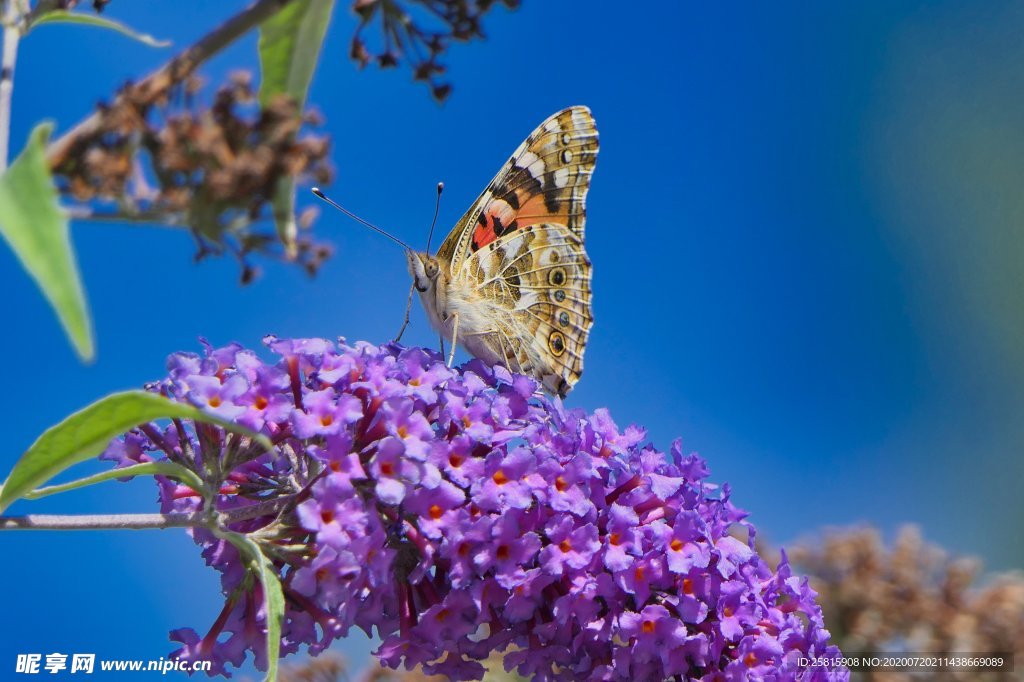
437 207
353 216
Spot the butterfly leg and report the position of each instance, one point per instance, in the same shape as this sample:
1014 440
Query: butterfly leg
408 307
455 338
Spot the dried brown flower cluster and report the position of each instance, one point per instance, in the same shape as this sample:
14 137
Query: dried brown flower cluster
215 169
376 673
331 666
404 38
911 597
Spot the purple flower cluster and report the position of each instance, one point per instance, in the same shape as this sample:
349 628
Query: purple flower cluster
459 512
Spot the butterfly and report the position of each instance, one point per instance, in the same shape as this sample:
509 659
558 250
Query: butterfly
511 281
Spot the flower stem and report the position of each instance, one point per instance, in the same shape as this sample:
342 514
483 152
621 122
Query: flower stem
100 521
12 34
138 521
181 65
150 218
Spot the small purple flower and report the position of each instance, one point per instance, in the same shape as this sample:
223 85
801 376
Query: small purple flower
438 508
652 633
623 540
570 547
458 512
733 555
218 396
509 550
128 450
409 426
643 576
325 413
393 472
503 485
424 374
685 543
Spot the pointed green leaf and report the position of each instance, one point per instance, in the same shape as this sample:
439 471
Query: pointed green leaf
272 593
63 17
289 48
284 216
169 469
36 229
87 433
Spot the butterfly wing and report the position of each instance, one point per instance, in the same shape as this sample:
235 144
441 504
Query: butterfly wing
520 248
545 181
535 285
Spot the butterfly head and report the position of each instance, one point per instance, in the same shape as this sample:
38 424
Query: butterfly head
424 269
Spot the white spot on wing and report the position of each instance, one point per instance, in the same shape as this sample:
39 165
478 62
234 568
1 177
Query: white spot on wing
579 121
527 159
533 164
561 177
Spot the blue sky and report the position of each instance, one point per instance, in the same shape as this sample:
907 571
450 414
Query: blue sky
807 241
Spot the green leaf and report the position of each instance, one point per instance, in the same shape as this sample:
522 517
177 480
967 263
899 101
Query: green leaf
290 43
36 229
87 433
274 597
169 469
284 216
63 17
289 47
272 594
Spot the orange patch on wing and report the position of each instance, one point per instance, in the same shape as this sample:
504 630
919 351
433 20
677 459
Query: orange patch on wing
496 212
534 211
484 233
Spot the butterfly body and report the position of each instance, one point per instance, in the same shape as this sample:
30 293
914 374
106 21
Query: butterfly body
444 304
511 282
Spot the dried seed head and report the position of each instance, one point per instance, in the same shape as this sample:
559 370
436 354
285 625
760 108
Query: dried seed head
407 33
213 169
910 595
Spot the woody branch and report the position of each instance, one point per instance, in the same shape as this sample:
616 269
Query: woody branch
180 66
